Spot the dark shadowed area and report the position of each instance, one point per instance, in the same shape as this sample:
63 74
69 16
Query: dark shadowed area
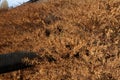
15 61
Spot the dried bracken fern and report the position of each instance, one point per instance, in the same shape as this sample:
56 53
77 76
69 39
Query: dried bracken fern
77 39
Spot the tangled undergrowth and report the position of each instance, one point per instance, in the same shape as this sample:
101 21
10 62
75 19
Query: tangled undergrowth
76 39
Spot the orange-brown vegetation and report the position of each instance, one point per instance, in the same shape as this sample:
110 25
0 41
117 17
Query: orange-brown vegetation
76 39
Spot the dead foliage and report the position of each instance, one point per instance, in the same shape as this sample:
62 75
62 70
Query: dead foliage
76 39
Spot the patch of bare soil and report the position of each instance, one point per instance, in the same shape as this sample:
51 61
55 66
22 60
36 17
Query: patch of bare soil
75 39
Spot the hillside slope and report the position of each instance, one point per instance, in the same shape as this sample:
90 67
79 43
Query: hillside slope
76 39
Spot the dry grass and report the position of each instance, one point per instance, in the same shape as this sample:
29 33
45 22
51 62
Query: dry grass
76 39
